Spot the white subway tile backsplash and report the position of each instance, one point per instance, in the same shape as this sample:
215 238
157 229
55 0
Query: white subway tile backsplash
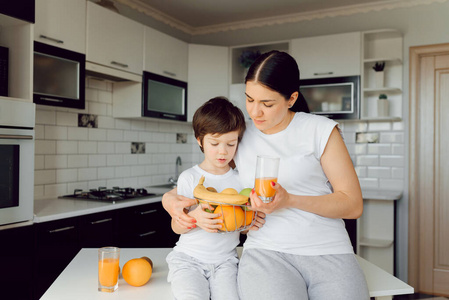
354 126
66 119
55 133
44 147
87 173
144 159
105 147
106 122
56 161
123 171
130 159
46 117
379 126
97 160
66 147
379 149
390 184
39 132
397 173
131 136
56 189
105 96
114 159
392 160
145 136
87 147
66 175
367 160
397 149
361 149
137 125
392 137
95 134
122 124
105 172
77 161
44 177
98 108
379 172
361 171
138 170
77 133
123 147
39 162
114 135
369 183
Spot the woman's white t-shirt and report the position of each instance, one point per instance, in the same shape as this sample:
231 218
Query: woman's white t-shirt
300 147
206 246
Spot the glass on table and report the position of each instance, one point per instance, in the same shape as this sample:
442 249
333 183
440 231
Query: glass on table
108 269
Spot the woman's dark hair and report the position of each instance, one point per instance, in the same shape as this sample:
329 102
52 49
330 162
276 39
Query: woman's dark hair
218 116
279 72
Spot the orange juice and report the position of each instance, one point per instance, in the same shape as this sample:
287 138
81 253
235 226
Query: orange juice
263 186
108 269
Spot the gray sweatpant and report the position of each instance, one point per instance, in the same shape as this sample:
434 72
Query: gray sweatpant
192 279
265 274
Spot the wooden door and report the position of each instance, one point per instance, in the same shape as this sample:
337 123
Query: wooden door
429 169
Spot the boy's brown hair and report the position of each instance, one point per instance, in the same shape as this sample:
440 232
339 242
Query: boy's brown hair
218 116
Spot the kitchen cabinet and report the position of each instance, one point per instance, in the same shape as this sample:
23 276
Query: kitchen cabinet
114 40
207 75
146 225
61 23
97 230
382 46
376 229
56 243
165 55
328 56
16 260
17 36
20 9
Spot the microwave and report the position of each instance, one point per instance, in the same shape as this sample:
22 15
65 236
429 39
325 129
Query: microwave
164 97
335 98
59 76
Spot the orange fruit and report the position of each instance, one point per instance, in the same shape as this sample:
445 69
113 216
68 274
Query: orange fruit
229 191
148 260
249 215
137 271
232 217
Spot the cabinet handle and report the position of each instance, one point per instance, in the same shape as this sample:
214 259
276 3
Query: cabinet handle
323 73
61 229
101 221
148 211
17 137
169 73
119 64
50 99
147 233
51 39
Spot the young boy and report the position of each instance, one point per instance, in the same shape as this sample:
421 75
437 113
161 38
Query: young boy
203 264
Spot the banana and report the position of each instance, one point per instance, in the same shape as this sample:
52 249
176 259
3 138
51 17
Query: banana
200 192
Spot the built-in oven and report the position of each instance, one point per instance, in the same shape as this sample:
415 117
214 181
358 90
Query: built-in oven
16 161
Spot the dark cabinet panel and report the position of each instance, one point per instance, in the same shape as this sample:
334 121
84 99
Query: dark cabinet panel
97 230
16 261
19 9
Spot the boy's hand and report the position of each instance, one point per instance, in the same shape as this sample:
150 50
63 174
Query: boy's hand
206 220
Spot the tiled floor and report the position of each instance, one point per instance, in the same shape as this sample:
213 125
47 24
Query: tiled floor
418 296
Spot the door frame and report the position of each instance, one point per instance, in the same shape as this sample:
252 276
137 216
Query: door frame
415 55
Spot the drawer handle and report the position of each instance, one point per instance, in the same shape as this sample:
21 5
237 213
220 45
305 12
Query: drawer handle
148 211
147 233
169 73
323 73
51 39
119 64
101 221
61 229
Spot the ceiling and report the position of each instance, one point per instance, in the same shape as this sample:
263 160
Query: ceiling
209 16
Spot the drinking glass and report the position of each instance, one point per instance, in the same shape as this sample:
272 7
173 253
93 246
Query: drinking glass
108 269
267 168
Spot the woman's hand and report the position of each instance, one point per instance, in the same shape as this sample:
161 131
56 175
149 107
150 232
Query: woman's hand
175 204
281 200
259 221
206 220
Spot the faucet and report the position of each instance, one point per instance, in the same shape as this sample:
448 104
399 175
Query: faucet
178 163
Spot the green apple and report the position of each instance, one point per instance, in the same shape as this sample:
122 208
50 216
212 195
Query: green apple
245 192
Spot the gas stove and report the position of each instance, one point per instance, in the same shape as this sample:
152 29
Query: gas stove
104 194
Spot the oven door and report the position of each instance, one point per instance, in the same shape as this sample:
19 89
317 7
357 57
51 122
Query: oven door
16 175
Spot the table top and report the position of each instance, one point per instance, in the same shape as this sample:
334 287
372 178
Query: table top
79 279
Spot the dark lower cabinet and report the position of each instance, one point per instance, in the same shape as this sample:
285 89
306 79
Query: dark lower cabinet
56 243
16 261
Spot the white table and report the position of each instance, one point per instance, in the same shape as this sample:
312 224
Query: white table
79 279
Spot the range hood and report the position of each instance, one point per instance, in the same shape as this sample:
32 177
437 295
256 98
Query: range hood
111 74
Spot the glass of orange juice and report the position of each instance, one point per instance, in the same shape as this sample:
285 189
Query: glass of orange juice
267 168
108 269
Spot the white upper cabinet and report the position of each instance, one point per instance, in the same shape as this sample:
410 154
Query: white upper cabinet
114 40
61 23
208 75
165 55
328 56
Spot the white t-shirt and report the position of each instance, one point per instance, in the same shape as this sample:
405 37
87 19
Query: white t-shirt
206 246
300 147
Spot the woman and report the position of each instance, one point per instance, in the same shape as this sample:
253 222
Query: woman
303 250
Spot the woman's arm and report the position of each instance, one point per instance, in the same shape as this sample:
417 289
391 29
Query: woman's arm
174 204
346 200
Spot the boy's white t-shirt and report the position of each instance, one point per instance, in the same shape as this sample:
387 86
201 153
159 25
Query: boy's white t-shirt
300 147
206 246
